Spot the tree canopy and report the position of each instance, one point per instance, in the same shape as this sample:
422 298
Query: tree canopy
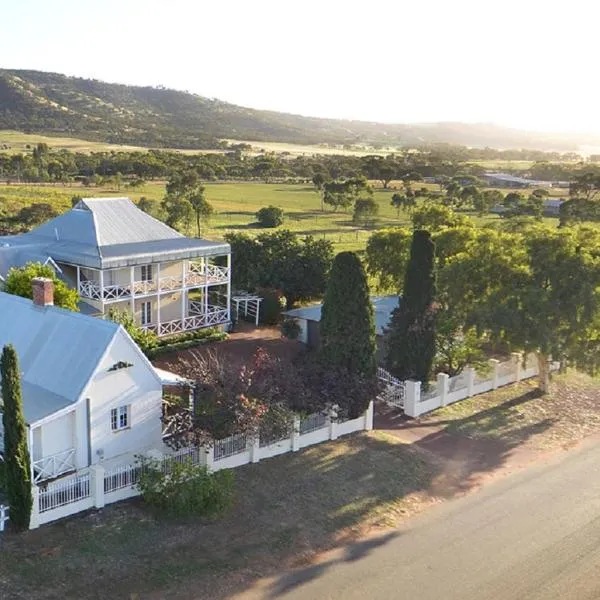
17 464
347 323
18 282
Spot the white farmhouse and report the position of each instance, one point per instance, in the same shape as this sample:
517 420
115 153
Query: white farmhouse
89 394
119 257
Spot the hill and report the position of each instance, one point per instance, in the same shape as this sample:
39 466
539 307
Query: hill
54 104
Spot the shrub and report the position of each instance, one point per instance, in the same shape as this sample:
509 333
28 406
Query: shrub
290 329
146 340
270 216
185 490
271 306
216 336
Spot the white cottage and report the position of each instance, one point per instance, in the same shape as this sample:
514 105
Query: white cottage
89 394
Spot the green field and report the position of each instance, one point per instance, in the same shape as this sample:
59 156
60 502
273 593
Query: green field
235 207
16 141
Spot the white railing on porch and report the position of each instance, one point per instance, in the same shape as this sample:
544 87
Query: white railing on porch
53 466
196 276
198 319
61 493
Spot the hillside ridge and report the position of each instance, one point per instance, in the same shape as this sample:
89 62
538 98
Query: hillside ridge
55 104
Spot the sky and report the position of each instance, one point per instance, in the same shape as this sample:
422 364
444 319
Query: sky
529 64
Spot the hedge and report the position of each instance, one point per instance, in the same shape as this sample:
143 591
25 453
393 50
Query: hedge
184 345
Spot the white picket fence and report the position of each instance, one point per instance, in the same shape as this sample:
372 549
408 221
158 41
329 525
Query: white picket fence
446 390
95 487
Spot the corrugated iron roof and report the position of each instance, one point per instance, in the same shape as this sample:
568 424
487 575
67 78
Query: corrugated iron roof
383 306
58 351
104 233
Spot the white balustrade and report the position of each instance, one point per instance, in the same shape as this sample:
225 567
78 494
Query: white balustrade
54 465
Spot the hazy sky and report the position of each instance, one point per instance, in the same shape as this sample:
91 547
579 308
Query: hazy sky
524 63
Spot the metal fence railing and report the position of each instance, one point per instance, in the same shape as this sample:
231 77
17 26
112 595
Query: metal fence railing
61 493
313 423
234 444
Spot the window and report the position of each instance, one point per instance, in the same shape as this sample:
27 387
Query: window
147 273
119 418
146 313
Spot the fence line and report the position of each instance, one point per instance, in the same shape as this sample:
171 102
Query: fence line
59 493
447 390
99 486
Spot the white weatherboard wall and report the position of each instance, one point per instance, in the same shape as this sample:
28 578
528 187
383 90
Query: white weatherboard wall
136 386
97 486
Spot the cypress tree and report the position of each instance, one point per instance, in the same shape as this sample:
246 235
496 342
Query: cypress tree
410 341
347 324
16 453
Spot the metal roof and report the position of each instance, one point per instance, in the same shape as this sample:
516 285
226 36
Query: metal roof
507 177
383 306
58 350
105 233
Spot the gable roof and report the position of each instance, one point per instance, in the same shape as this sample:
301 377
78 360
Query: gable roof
103 233
58 350
383 307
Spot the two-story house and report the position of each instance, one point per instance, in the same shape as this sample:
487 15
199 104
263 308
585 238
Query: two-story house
90 395
119 257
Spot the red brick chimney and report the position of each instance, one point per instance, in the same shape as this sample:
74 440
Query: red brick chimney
43 291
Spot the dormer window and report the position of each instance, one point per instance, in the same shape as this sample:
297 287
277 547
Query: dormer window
147 273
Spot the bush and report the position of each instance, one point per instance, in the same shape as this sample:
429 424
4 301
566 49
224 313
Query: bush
271 306
216 336
270 216
290 329
145 339
186 490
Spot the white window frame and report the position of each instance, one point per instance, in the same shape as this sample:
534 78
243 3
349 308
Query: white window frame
120 418
147 274
146 312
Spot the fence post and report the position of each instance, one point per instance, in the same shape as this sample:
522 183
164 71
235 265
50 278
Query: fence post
518 358
255 449
369 417
470 376
442 388
209 458
296 434
494 364
34 521
412 397
97 485
333 433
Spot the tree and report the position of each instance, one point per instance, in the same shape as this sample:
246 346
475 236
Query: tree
33 215
344 193
410 341
17 465
434 217
552 306
347 323
281 261
486 200
200 205
178 209
184 199
270 216
365 210
146 340
406 201
387 256
145 204
18 282
318 181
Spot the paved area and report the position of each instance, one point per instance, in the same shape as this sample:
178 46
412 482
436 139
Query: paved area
534 535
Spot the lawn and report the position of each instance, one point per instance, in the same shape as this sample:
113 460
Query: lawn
287 509
518 414
236 205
